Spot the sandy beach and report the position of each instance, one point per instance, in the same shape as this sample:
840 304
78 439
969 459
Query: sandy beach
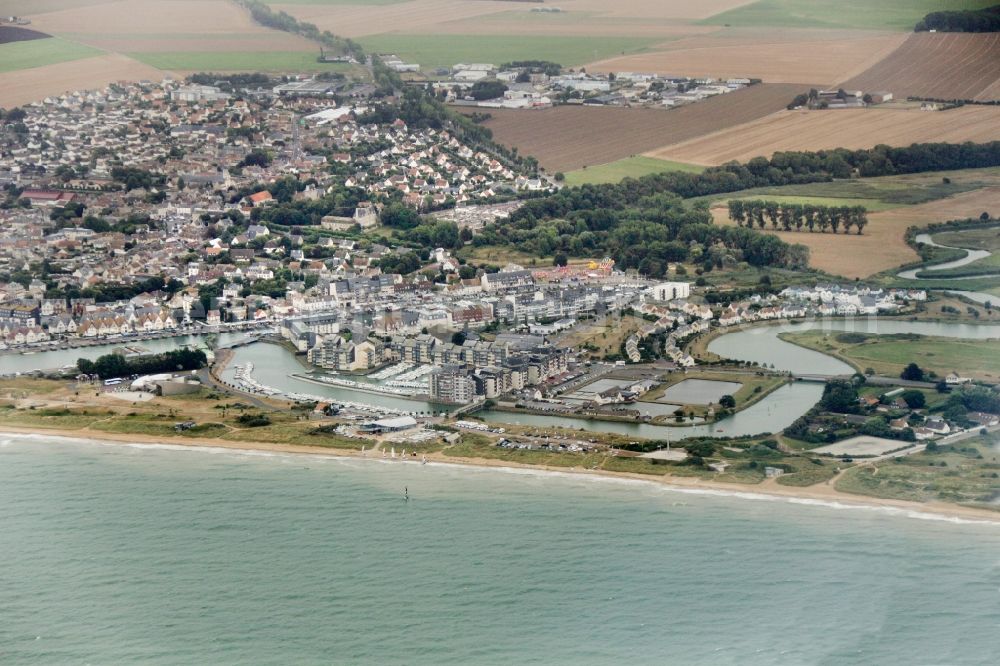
821 493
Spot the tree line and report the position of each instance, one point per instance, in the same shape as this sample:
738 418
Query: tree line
116 365
797 216
973 20
641 223
284 21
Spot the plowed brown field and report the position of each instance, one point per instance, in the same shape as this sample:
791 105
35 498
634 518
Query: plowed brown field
775 56
883 244
570 137
839 128
938 65
29 85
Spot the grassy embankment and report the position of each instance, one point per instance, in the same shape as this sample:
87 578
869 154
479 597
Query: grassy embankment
746 460
889 354
754 387
54 405
967 473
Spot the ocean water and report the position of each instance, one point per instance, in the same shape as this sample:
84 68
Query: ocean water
151 555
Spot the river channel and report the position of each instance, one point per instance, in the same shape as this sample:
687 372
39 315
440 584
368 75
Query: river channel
971 255
59 358
274 366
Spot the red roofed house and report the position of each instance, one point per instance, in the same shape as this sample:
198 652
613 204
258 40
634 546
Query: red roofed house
260 198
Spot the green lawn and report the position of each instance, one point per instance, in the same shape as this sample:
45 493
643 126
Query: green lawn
862 14
889 354
247 61
40 52
629 167
434 51
979 239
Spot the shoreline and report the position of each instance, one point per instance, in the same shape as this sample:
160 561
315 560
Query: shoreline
821 494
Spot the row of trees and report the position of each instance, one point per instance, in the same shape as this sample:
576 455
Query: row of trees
284 21
975 20
797 216
116 365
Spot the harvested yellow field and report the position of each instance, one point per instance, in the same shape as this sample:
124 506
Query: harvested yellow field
29 85
938 66
167 25
775 56
883 245
839 128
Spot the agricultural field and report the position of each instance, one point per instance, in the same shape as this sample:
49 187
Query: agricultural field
174 26
28 85
839 128
33 53
566 138
881 15
361 18
629 167
10 34
938 66
432 51
810 57
599 18
889 354
235 61
882 246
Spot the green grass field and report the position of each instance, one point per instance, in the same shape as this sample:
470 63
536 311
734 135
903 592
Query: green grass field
876 194
629 167
434 51
965 473
889 354
861 14
41 52
979 239
239 61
